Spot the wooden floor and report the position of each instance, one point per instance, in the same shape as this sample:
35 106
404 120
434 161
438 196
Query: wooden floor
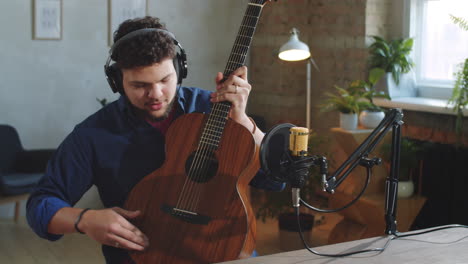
19 245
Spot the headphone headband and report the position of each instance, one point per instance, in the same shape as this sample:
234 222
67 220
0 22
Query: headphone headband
141 31
114 74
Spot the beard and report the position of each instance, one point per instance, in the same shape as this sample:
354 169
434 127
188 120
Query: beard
147 116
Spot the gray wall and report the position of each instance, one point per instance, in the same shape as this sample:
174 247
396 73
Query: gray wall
48 86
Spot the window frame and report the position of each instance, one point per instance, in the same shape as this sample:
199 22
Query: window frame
414 12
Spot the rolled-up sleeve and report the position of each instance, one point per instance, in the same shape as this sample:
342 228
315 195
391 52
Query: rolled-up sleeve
68 176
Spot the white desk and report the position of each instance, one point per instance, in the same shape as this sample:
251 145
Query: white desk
448 246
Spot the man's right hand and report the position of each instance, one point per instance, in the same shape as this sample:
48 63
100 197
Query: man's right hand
111 227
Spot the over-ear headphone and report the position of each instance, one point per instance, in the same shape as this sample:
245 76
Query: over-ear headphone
114 74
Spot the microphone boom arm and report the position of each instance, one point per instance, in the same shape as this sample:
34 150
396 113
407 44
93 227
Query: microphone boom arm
393 120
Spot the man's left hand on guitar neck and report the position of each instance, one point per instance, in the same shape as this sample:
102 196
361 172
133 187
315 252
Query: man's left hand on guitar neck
236 89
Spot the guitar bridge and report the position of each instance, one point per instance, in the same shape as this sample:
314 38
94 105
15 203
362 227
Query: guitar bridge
187 216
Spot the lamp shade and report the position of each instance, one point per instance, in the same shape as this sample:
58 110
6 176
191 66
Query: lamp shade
294 49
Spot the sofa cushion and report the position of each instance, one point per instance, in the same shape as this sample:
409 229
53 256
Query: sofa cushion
18 183
11 146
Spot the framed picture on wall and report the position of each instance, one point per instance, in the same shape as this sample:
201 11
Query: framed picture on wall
47 19
121 10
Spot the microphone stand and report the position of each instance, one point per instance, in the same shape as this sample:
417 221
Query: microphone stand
393 120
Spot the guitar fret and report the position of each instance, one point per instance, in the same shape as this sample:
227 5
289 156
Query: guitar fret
215 131
209 141
248 30
212 137
237 55
220 122
252 4
217 124
214 127
221 107
256 17
218 115
230 70
236 58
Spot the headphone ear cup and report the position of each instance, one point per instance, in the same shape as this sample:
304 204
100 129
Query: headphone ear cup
114 78
180 65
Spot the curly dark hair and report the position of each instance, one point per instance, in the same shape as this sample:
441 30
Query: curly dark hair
142 50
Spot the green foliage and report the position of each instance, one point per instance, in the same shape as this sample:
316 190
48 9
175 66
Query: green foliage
102 101
459 97
410 154
463 23
276 203
368 90
393 56
357 96
346 101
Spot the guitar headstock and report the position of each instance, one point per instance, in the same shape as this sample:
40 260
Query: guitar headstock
260 2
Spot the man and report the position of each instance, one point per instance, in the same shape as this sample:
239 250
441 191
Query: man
123 142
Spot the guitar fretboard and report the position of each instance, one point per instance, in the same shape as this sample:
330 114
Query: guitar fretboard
216 122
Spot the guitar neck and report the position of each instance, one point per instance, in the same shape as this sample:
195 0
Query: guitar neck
244 38
242 44
217 119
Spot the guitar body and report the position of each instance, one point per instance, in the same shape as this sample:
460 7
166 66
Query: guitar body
200 217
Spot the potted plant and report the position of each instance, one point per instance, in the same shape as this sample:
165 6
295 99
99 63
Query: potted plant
278 205
410 155
102 102
371 114
348 102
459 97
394 58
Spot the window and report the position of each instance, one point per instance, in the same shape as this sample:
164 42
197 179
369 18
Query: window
440 45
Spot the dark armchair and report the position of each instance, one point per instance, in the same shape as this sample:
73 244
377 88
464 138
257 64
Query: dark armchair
20 169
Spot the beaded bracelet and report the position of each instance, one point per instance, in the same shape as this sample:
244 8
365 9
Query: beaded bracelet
78 219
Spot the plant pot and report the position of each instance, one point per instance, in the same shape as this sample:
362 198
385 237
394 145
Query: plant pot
289 233
406 87
370 119
405 189
348 121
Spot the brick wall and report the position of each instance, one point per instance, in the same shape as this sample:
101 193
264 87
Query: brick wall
335 31
378 20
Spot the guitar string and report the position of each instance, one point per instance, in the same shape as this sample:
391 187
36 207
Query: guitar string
197 170
233 55
230 66
201 155
249 20
218 118
213 123
214 118
186 197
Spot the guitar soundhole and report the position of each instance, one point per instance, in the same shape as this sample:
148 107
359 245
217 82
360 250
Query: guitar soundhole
201 166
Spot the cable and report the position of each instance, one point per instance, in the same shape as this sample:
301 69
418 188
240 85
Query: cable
397 235
369 172
296 210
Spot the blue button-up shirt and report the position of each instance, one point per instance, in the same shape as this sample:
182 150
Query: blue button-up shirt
112 149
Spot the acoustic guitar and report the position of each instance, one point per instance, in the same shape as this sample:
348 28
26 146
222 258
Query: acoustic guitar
195 207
